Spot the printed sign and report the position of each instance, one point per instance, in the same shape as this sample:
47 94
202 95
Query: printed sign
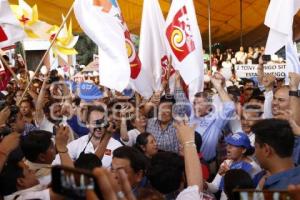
248 71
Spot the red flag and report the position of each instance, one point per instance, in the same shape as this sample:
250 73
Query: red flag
181 40
3 36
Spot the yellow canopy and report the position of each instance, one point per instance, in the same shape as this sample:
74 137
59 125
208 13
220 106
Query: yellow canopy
225 15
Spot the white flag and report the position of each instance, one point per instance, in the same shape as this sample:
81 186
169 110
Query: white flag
10 29
279 18
185 43
153 51
101 25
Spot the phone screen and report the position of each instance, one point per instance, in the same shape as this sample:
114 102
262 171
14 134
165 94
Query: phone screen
73 183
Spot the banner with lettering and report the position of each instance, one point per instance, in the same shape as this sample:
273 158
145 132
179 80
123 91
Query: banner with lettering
248 71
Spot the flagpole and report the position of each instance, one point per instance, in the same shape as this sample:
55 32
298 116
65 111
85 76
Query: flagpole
25 62
209 33
8 67
241 23
48 50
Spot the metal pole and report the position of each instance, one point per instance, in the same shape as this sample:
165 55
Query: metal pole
209 33
241 22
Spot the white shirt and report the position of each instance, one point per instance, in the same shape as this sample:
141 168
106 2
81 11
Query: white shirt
240 56
76 147
45 125
132 135
36 192
190 193
268 105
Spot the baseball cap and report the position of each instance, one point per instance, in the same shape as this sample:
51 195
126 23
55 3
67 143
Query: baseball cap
89 92
239 139
128 92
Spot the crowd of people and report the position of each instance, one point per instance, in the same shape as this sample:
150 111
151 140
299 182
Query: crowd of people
226 138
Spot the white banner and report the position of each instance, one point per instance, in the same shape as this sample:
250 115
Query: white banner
248 71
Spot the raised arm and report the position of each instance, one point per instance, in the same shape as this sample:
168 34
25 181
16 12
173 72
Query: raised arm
186 136
39 112
294 100
217 83
8 144
61 141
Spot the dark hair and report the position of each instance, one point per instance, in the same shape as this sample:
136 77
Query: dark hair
257 97
29 102
48 105
206 95
248 81
141 140
198 141
234 90
94 108
35 143
149 194
167 99
166 172
87 161
8 178
251 107
276 133
236 179
137 160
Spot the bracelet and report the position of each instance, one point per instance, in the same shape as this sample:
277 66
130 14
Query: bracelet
190 143
66 151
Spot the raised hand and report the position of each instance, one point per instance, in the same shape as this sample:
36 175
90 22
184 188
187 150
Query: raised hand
61 138
185 133
294 81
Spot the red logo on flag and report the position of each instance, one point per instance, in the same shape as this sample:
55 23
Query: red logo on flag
3 36
164 64
135 63
179 35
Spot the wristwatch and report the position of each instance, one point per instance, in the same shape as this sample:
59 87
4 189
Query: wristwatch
294 93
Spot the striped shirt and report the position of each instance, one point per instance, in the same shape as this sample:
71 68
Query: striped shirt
166 139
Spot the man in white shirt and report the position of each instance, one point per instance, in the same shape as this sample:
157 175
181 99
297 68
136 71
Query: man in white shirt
89 143
241 56
18 182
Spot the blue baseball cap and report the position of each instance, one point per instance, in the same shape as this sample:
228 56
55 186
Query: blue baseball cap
239 139
89 92
128 92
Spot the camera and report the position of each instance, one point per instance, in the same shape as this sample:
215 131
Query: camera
14 110
73 183
102 123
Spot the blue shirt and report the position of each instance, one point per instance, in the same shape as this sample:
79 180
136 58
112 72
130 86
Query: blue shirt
210 126
77 127
280 181
28 128
296 153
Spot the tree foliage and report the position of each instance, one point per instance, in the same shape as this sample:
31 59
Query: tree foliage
86 49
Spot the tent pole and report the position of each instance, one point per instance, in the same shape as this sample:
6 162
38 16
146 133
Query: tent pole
241 22
209 33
